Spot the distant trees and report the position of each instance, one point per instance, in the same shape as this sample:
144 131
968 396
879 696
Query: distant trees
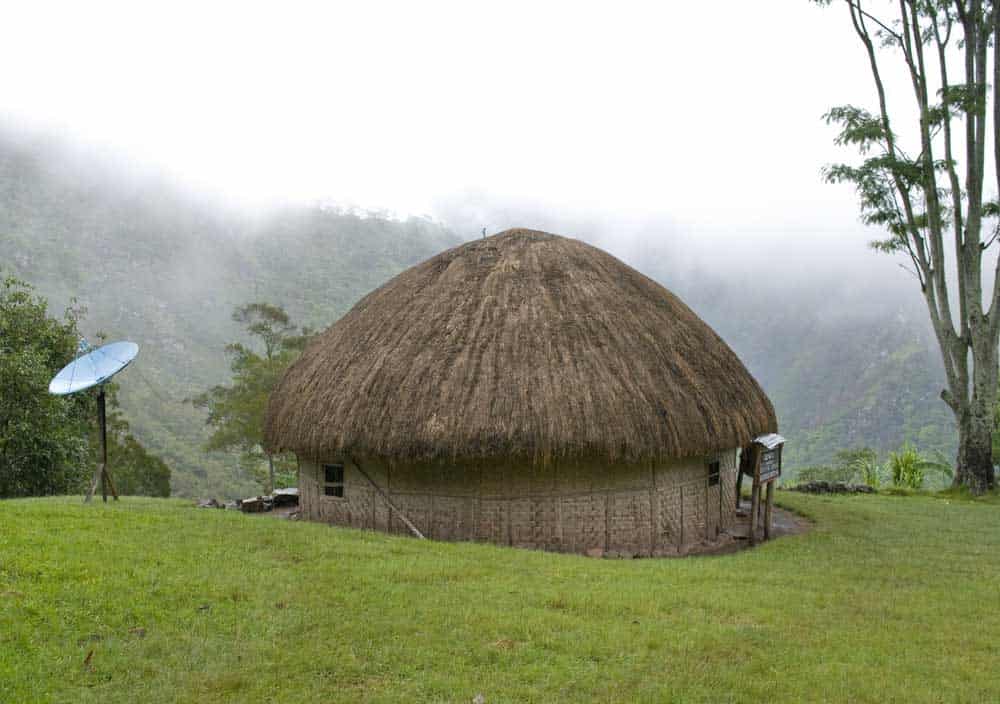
236 412
48 443
929 196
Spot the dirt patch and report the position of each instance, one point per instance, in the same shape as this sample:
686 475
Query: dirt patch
783 522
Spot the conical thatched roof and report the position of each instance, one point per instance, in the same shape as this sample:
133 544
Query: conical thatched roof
522 344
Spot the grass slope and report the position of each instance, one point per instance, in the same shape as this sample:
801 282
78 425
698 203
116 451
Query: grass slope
888 599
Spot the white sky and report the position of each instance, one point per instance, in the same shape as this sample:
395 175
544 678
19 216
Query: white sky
706 112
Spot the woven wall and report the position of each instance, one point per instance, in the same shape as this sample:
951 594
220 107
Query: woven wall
579 507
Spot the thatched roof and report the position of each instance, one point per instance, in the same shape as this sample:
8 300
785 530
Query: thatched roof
522 344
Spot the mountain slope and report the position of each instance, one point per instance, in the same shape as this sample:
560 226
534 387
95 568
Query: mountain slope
156 266
846 361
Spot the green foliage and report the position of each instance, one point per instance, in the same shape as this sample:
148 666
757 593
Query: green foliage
905 468
824 473
938 468
236 412
849 466
909 468
867 467
859 127
43 438
874 604
49 444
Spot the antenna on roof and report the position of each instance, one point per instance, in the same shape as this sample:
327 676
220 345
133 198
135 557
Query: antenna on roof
484 233
93 368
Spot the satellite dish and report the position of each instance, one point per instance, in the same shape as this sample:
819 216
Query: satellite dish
93 368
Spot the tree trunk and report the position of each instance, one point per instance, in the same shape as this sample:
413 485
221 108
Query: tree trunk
975 455
975 430
270 474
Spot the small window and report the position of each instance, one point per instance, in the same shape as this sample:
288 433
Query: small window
713 473
333 480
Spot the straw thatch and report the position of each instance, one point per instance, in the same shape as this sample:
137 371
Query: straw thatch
523 344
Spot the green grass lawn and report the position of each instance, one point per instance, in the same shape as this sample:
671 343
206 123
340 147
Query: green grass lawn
888 599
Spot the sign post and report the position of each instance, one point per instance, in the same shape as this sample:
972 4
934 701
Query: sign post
764 464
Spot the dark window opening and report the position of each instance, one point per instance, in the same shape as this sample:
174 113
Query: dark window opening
333 480
713 473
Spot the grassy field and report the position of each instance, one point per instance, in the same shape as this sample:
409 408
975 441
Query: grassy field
888 599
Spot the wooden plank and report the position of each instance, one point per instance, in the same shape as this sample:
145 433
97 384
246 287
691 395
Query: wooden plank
98 473
111 484
767 510
755 494
392 507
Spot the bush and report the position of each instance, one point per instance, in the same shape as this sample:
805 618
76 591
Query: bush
43 438
823 473
905 467
909 468
859 464
867 467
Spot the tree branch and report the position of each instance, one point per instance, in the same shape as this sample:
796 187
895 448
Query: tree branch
856 4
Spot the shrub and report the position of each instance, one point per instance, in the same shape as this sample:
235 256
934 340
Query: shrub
867 467
905 467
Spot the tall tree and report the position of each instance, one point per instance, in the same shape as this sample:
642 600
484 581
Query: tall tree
236 412
946 49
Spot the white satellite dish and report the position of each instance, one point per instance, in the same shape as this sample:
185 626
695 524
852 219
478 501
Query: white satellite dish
93 369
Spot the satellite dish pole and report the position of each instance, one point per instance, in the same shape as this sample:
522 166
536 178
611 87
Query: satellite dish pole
105 476
94 368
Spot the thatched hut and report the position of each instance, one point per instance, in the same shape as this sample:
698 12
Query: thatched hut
523 389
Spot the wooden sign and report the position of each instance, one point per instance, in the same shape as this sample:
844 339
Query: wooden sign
770 464
763 457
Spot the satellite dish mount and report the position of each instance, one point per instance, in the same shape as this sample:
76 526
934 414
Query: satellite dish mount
94 368
102 470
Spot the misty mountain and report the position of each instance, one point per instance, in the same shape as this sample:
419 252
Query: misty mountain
154 264
847 360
